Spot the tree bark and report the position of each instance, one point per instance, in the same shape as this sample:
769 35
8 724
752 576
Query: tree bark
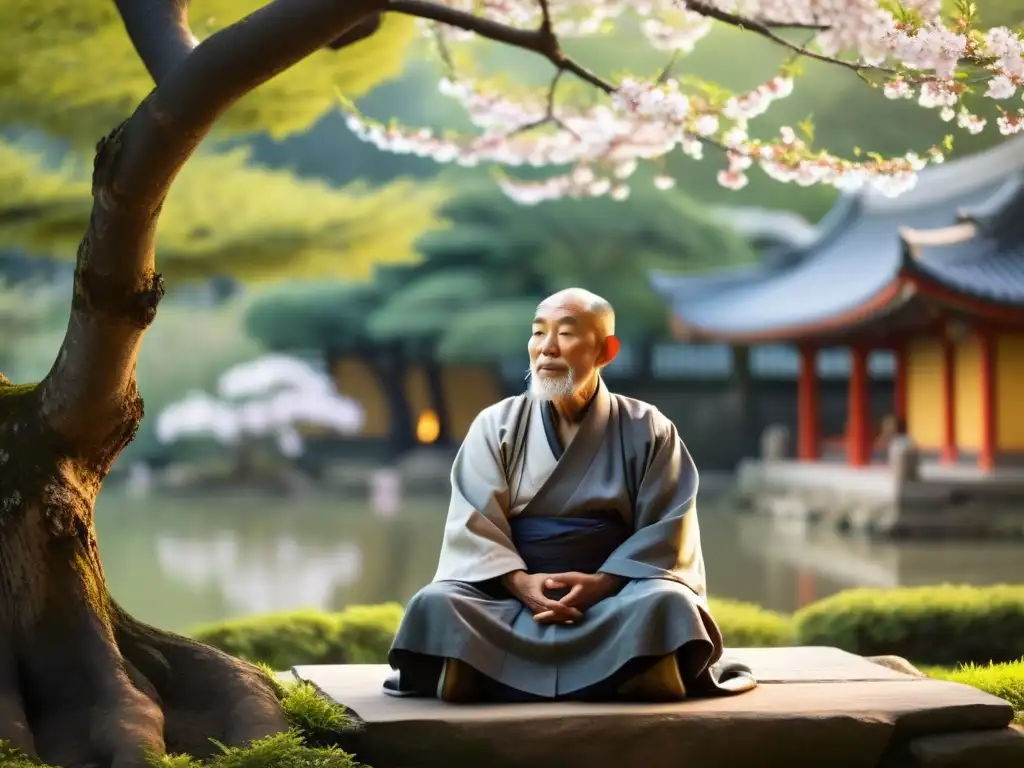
435 386
82 683
389 367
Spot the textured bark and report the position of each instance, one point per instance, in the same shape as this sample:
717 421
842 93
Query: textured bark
82 683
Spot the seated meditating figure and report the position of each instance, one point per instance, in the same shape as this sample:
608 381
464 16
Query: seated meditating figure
571 564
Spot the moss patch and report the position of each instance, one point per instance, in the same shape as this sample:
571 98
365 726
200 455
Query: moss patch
315 723
1004 680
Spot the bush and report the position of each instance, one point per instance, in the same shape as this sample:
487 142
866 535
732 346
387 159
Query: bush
357 635
942 625
745 625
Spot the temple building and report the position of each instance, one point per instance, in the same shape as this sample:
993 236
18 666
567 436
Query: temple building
927 287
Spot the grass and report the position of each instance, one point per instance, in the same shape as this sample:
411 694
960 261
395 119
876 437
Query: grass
1004 680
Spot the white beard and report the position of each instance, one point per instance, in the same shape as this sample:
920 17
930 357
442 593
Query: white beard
552 387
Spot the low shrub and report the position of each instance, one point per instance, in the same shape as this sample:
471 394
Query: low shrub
941 625
745 625
358 635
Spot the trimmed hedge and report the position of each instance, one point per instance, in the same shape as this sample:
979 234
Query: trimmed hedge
930 626
942 625
361 634
745 625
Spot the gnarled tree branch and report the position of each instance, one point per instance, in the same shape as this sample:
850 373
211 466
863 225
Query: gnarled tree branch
159 31
541 40
89 397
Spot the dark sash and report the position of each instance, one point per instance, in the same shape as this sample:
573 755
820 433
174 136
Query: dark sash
562 544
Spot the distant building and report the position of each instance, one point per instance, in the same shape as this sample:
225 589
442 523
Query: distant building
927 288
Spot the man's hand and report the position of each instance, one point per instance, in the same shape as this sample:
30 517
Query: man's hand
585 591
529 589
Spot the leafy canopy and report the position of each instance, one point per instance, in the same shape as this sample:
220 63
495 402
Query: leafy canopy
471 297
225 215
69 68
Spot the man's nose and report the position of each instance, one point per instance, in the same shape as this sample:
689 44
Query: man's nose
550 347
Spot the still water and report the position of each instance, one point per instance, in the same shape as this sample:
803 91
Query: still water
182 562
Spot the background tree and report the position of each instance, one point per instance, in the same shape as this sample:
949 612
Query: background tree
330 319
470 296
227 216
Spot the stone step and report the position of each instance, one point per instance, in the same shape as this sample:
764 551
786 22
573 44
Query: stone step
815 707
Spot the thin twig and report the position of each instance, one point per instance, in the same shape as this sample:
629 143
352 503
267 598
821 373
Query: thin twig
550 118
761 28
541 41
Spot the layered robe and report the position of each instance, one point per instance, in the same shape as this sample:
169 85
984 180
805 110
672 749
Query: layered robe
619 499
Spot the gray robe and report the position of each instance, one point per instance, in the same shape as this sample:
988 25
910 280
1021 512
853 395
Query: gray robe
626 465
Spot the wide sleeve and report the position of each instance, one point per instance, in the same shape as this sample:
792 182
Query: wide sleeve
666 539
477 543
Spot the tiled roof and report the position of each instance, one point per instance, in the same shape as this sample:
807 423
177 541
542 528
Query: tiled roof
858 255
983 257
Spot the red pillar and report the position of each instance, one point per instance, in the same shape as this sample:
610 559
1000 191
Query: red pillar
808 411
858 412
899 394
987 454
948 453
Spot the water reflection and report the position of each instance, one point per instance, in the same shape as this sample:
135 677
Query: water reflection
182 562
271 580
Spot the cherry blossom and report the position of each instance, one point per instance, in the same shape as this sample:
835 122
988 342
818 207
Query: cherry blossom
595 148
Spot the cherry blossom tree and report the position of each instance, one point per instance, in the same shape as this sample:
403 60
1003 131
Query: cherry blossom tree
910 51
84 683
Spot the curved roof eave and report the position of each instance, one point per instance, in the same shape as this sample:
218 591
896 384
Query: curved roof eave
890 297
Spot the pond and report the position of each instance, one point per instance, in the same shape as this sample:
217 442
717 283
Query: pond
181 562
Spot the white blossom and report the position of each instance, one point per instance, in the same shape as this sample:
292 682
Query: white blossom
596 149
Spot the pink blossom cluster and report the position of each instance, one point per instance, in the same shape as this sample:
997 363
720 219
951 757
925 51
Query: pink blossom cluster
600 147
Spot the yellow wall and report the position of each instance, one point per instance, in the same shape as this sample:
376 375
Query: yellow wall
1009 390
924 393
355 379
968 394
468 389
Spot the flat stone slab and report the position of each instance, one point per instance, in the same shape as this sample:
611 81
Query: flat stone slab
814 707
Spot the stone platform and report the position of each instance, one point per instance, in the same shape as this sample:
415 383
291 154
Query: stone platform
815 707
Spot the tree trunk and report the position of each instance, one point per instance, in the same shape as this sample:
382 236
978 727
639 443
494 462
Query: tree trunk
438 402
389 367
82 683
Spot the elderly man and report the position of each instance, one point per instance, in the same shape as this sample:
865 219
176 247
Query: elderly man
571 565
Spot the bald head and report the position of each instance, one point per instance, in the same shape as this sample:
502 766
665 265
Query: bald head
573 338
582 301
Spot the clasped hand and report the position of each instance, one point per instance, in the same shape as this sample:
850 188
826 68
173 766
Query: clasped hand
585 590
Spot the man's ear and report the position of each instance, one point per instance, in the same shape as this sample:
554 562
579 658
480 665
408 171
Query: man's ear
612 345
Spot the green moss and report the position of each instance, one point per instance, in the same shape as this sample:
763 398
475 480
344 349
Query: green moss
745 625
315 723
1005 680
13 396
941 625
